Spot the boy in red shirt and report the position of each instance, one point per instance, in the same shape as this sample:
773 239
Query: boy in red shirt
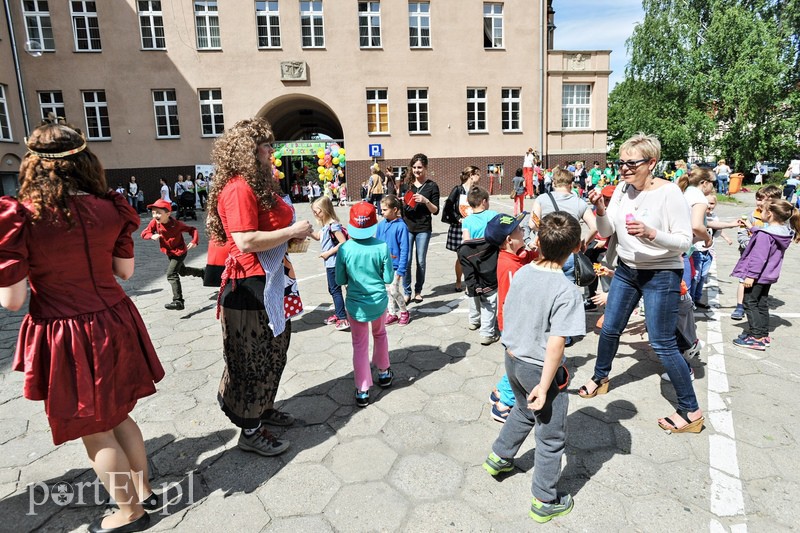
505 232
169 234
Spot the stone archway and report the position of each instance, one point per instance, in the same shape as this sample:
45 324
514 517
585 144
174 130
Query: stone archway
300 117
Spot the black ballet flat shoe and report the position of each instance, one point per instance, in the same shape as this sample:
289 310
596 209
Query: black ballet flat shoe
140 524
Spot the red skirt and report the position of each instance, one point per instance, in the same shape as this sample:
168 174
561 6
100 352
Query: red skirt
88 369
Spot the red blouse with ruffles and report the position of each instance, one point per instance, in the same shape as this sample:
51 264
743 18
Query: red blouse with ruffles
83 346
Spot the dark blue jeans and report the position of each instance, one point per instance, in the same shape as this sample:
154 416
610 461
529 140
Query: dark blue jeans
421 241
336 293
661 292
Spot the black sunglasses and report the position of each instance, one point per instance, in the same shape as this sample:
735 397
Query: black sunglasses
631 163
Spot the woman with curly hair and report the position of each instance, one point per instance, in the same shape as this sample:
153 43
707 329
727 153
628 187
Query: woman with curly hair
246 213
83 346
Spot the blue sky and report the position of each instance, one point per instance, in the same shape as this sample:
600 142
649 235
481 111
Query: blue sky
597 25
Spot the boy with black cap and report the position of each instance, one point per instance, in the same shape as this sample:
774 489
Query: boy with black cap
169 234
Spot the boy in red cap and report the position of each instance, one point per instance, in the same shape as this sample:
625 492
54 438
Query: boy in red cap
168 232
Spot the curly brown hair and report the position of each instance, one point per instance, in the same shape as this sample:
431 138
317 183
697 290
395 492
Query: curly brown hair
234 154
46 183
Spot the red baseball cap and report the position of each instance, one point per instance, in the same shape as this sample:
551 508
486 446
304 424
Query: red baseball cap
363 221
161 204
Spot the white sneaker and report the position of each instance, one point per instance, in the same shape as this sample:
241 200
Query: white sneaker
665 376
694 351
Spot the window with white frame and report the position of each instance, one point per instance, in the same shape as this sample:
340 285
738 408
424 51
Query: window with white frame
510 107
5 122
51 102
85 26
213 122
165 107
419 24
576 105
476 110
492 25
377 110
369 24
151 25
418 111
95 109
268 24
206 22
37 24
312 25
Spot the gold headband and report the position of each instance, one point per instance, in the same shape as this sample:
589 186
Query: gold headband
58 155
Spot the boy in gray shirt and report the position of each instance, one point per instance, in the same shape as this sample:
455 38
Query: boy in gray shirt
542 309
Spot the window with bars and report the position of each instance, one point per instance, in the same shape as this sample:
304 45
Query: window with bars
369 24
51 102
576 105
211 117
510 107
95 109
418 111
377 110
268 25
492 25
206 22
38 27
85 26
476 110
5 122
419 24
312 25
151 25
165 107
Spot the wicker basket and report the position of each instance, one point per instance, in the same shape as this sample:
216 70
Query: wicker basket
298 247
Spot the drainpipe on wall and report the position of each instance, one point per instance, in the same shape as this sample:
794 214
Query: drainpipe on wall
542 56
15 56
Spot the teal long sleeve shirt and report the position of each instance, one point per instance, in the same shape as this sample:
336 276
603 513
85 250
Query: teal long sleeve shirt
365 266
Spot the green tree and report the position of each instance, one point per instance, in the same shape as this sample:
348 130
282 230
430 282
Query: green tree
719 76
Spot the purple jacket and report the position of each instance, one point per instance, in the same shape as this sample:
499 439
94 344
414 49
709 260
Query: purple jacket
763 256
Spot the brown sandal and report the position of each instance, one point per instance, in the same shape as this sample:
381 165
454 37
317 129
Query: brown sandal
692 426
602 388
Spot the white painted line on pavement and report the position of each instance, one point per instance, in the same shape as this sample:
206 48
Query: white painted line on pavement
312 277
785 315
727 499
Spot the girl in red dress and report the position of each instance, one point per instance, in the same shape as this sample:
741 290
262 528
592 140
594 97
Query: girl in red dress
82 346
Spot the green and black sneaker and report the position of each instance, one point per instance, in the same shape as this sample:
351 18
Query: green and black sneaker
544 512
496 465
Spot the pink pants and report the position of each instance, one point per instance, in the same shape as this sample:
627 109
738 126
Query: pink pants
359 331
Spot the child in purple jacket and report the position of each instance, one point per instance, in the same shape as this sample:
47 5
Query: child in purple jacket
760 267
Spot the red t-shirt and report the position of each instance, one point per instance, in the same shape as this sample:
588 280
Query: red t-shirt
507 266
171 233
240 211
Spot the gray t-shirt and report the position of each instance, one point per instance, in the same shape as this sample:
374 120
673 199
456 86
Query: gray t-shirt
540 303
566 202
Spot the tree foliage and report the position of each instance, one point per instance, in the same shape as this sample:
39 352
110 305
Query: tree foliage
717 76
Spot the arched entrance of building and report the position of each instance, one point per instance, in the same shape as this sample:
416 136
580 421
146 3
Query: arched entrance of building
305 127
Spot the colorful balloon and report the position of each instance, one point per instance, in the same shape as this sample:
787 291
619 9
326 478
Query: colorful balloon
278 162
341 151
320 169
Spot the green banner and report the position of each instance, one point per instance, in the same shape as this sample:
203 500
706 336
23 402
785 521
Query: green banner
300 147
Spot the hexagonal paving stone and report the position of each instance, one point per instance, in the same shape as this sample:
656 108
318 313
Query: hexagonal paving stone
440 382
310 409
367 507
361 423
310 444
295 524
361 460
298 490
242 512
412 432
455 407
446 516
426 477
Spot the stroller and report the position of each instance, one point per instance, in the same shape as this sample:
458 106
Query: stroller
186 202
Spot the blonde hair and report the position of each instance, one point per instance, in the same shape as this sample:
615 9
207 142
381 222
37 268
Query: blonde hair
647 145
680 164
326 212
784 212
562 177
695 178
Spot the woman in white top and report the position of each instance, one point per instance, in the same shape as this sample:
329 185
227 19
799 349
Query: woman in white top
695 185
723 173
527 172
650 222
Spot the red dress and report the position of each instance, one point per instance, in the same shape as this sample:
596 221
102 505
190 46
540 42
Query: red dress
83 346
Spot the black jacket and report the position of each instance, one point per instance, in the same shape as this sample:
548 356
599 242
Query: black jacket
478 261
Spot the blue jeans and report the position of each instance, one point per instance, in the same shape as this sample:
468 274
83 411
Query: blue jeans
722 184
569 268
661 292
702 266
421 241
687 270
336 293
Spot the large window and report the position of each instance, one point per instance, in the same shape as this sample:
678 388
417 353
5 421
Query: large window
165 106
511 109
5 123
211 112
37 24
268 25
492 25
377 110
312 25
476 110
418 111
85 27
419 24
206 22
95 109
576 105
369 24
151 25
51 102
